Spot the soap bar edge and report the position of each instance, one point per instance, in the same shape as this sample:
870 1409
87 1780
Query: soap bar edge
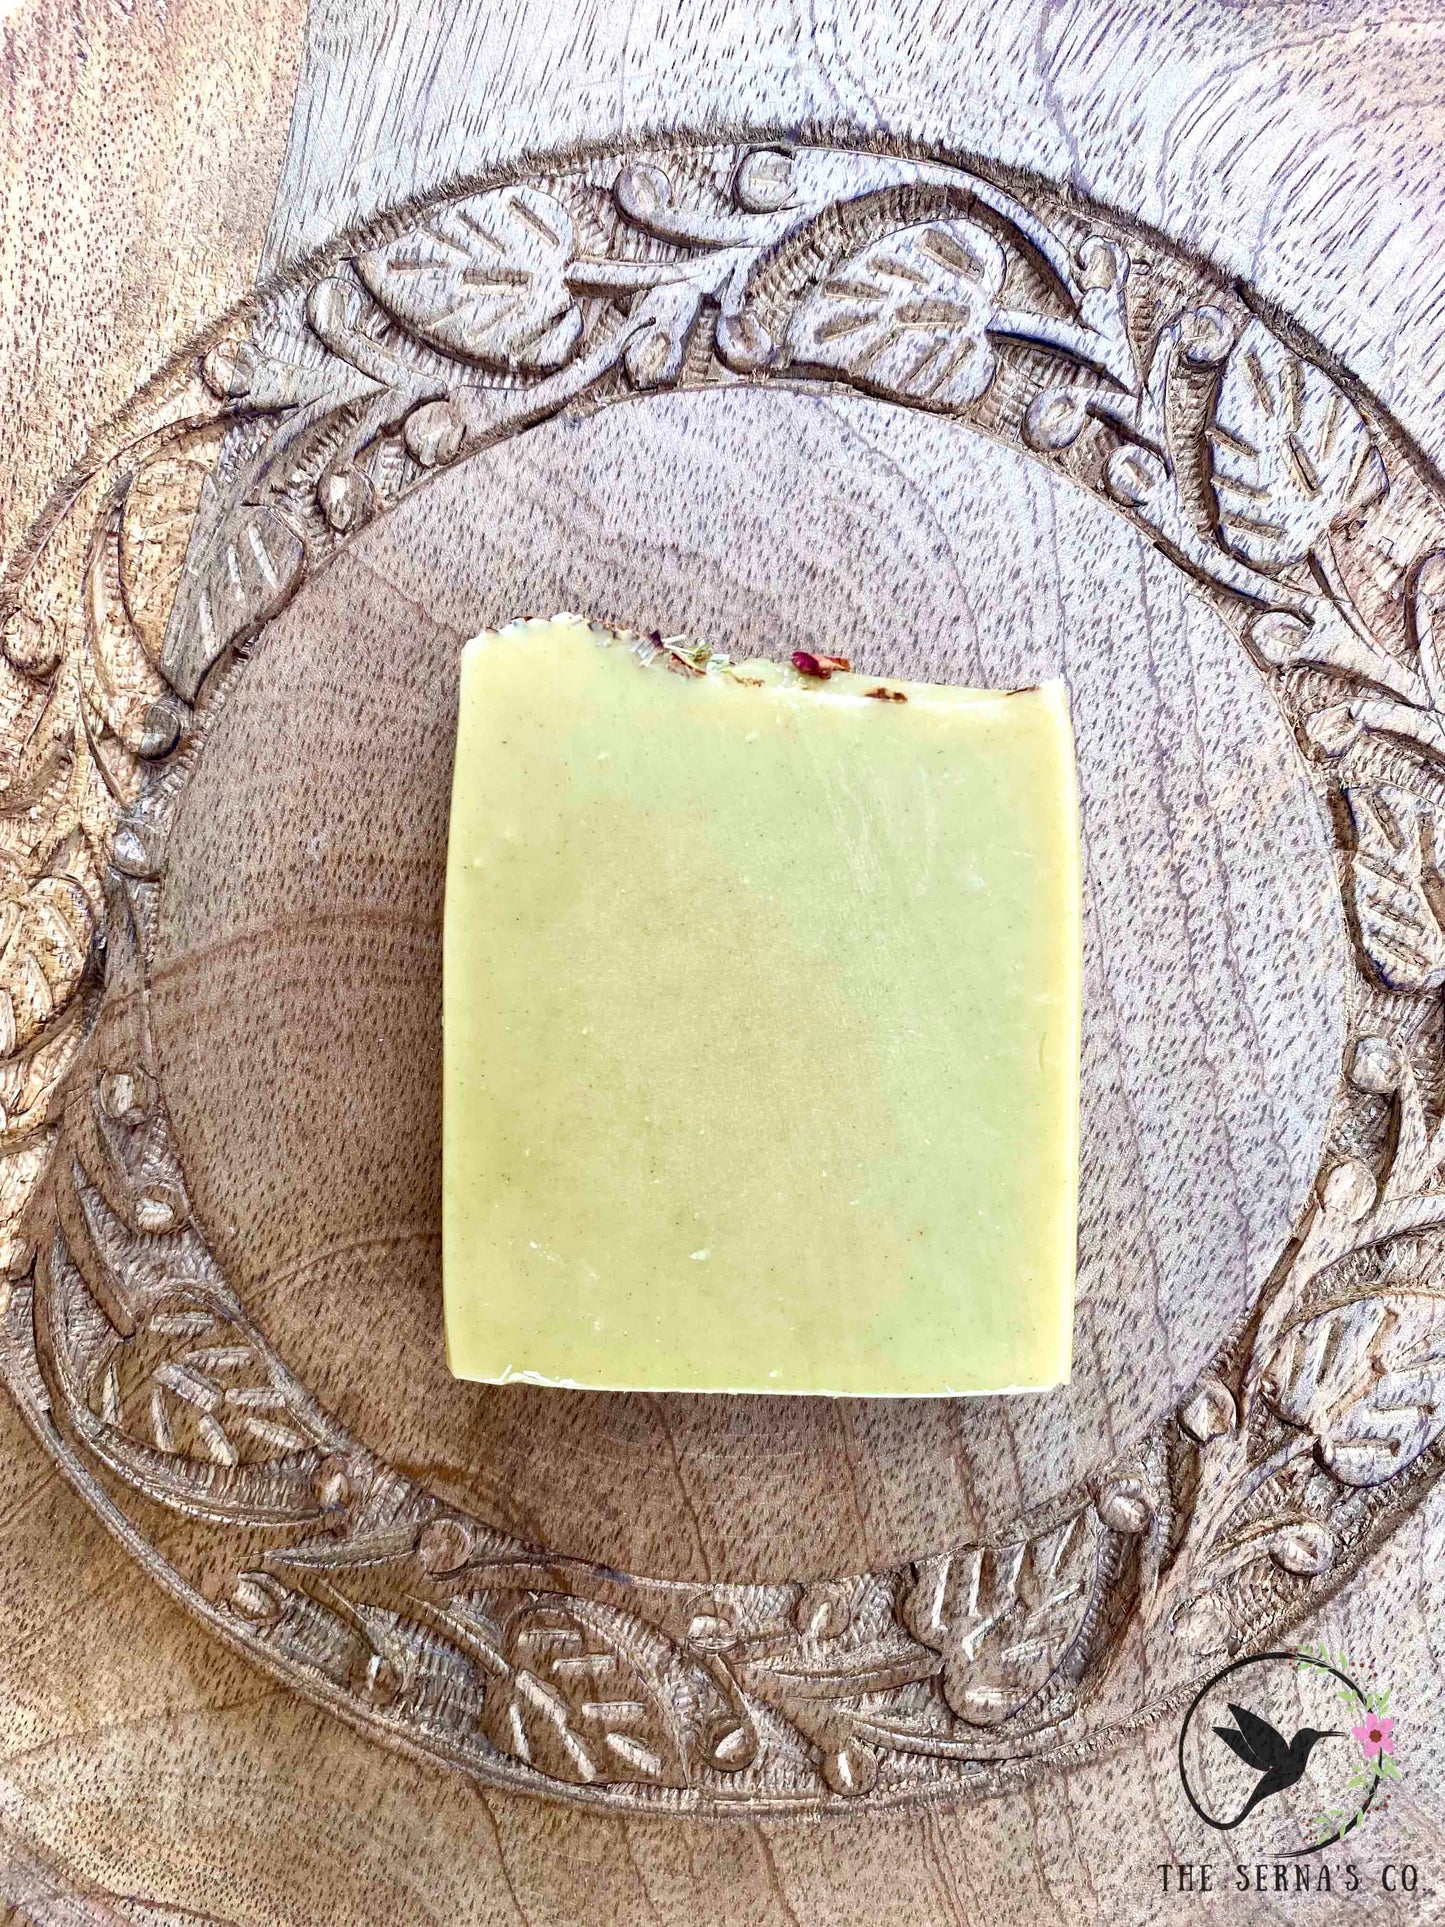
1050 695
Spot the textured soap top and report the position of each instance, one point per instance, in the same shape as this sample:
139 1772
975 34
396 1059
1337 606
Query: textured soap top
761 1016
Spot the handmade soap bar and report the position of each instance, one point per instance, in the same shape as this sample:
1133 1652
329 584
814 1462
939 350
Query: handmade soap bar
761 1024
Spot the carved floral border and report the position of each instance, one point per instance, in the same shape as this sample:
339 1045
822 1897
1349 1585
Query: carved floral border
1294 506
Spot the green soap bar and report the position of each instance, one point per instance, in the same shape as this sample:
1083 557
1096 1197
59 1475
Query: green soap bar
761 1012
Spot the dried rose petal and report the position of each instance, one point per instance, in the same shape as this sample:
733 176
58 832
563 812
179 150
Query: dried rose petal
808 664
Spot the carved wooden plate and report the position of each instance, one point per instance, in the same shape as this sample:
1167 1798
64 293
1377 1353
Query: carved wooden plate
958 426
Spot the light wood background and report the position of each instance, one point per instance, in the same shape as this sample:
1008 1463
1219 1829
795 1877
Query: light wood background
188 150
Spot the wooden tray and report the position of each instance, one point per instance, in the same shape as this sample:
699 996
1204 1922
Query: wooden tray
299 1627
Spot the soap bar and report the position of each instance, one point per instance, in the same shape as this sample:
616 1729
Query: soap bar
761 1024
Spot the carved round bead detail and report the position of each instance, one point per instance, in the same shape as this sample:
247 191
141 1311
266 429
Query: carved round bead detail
1210 1413
443 1545
1349 1190
1015 313
1124 1507
1306 1549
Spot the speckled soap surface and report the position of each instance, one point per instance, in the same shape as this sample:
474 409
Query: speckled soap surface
761 1025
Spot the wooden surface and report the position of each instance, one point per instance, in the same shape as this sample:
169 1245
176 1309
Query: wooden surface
146 1765
153 1764
305 914
124 130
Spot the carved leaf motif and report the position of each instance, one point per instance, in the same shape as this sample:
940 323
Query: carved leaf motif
247 576
1424 608
1368 1381
190 1383
1399 928
118 682
1004 1617
21 1171
45 934
1005 1628
907 316
656 356
160 508
484 278
577 1705
1291 455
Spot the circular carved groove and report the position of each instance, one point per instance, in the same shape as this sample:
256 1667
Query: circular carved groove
1292 507
296 966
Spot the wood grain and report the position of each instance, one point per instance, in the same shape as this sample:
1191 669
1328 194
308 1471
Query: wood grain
1205 1535
172 1775
1281 142
297 965
1293 150
139 150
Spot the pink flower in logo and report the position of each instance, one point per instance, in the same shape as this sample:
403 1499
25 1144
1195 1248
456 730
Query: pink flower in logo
1376 1736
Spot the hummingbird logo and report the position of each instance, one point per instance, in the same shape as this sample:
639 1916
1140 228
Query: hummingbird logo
1280 1763
1340 1781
